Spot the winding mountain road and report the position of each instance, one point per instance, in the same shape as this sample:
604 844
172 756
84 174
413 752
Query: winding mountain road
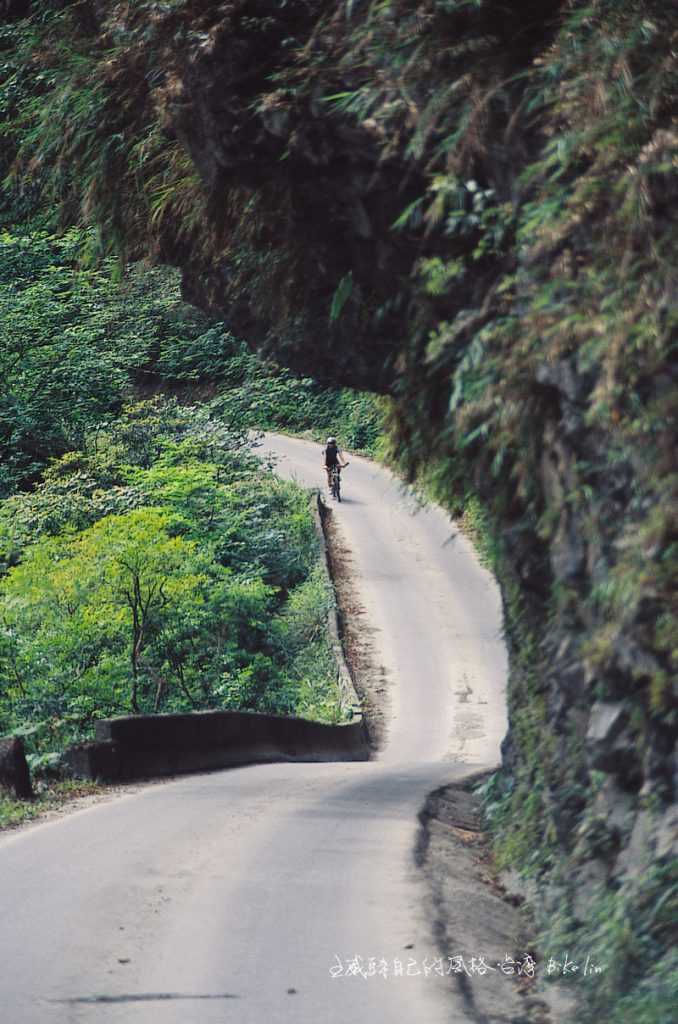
235 896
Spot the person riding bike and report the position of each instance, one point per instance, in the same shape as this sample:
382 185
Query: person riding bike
332 456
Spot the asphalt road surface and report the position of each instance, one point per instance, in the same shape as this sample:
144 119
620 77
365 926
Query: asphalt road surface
246 895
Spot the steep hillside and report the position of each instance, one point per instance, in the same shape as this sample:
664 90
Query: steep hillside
469 206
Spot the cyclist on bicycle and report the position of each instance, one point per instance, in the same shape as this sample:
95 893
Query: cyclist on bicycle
332 456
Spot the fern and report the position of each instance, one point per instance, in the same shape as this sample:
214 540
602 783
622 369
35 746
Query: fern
341 296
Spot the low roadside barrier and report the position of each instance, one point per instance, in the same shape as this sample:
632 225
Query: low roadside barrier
148 745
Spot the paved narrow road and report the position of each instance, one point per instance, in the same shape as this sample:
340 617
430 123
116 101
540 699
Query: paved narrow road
235 896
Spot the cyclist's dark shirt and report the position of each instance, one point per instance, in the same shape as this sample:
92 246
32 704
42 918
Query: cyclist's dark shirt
331 455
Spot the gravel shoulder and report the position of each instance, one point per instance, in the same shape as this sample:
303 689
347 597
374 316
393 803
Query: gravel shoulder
369 677
480 927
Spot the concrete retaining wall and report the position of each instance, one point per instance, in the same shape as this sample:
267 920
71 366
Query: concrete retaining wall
147 745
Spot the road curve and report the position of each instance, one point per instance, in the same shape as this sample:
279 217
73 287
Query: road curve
235 896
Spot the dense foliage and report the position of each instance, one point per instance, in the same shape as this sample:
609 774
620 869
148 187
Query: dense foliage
76 343
158 568
262 395
147 564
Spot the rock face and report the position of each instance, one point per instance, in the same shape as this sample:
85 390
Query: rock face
472 208
11 9
14 774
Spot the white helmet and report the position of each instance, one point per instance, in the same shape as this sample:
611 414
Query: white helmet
331 440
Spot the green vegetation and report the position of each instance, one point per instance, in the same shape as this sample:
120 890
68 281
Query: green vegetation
158 569
146 562
77 343
632 942
264 396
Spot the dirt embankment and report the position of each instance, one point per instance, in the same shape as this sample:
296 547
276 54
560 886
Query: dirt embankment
368 675
484 934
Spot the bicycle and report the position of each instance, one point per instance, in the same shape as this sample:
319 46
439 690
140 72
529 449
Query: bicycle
335 482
